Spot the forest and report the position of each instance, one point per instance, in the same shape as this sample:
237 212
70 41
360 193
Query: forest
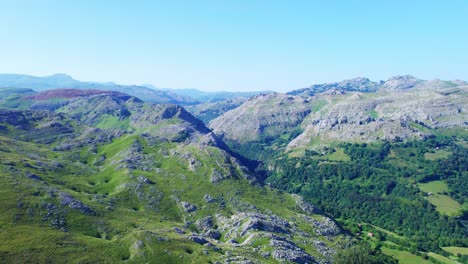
379 184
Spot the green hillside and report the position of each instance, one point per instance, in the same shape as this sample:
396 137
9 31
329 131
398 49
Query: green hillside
80 186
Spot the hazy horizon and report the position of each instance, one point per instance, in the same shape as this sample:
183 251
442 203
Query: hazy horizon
210 91
235 46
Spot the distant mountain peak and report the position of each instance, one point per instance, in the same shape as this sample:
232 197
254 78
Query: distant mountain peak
359 84
61 76
401 82
403 77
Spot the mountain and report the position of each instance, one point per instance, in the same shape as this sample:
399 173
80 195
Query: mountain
388 159
148 93
314 177
262 116
357 84
403 82
11 97
211 97
104 177
209 111
57 81
403 107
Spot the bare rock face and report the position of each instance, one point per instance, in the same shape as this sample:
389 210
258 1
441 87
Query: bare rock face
324 227
204 224
283 236
67 200
357 84
197 239
306 206
262 116
261 223
242 224
213 234
188 207
385 115
208 198
217 176
358 110
401 82
288 251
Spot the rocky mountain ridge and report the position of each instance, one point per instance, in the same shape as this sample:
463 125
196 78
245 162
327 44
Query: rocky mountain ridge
266 115
365 85
401 108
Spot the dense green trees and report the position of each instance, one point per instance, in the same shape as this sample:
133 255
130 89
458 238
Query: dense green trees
378 185
361 254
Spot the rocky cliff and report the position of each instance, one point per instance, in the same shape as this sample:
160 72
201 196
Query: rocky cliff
358 110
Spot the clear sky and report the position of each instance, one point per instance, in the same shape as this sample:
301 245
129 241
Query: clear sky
234 45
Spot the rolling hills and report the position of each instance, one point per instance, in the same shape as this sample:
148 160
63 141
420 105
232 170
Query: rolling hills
302 177
106 178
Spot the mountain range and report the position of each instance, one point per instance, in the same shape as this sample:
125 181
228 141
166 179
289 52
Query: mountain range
148 93
348 172
100 176
357 110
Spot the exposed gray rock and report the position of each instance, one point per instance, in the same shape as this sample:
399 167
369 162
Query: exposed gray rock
264 225
288 251
214 234
33 176
357 84
327 252
238 260
401 108
216 176
197 239
401 82
208 198
143 179
204 224
138 244
325 227
188 207
306 206
243 224
67 200
266 115
179 231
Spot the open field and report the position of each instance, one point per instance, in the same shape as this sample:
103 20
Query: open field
441 258
444 204
404 257
434 187
456 250
439 154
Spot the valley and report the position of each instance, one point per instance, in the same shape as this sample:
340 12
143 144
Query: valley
325 174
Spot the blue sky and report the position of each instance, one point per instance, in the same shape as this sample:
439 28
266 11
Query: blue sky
234 45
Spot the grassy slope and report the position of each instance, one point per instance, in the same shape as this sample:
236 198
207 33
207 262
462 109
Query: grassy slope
441 259
122 217
456 250
405 257
443 203
438 154
434 187
394 250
